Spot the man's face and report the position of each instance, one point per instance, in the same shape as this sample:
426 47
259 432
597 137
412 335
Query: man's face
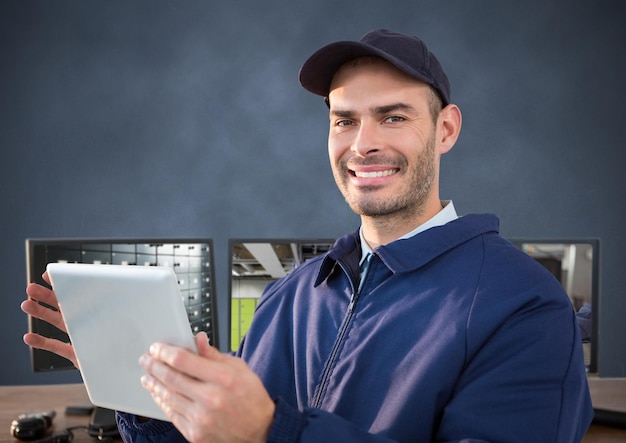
382 141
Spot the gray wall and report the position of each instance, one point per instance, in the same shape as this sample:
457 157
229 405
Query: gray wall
170 119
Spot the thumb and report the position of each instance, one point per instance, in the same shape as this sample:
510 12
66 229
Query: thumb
204 348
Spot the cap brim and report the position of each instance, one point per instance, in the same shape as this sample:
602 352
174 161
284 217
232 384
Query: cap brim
318 70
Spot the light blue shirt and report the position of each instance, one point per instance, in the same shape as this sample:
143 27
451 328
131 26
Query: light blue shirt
447 214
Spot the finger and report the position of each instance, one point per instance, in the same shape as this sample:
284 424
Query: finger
166 383
184 400
202 343
44 313
171 376
160 395
42 294
176 406
55 346
202 367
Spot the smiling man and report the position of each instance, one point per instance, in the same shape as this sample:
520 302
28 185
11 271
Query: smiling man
420 326
387 133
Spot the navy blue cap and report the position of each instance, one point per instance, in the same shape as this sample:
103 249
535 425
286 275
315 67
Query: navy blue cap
406 52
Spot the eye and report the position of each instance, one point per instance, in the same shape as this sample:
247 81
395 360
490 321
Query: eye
394 119
344 123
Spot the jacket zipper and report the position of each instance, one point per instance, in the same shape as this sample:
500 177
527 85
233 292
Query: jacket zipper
321 388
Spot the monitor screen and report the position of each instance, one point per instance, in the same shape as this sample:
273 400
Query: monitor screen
576 264
191 259
254 263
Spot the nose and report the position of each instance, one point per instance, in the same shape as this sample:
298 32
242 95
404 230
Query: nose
367 140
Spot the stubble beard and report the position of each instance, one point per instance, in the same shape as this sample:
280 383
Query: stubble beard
409 202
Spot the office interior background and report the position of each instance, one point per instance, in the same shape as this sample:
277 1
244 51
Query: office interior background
137 119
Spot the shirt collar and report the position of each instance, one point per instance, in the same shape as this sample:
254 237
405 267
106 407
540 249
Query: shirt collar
447 214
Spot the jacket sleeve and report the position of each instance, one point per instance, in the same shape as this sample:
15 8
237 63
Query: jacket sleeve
525 377
290 426
152 431
314 426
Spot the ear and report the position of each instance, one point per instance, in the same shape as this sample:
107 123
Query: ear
448 127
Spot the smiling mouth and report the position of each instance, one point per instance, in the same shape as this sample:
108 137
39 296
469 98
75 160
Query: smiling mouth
374 174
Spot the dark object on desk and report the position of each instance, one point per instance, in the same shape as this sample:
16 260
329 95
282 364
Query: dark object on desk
79 410
102 424
607 417
31 426
58 437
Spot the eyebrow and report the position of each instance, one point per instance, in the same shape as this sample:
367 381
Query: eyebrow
379 110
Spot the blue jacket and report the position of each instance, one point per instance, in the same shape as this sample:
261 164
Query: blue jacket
454 335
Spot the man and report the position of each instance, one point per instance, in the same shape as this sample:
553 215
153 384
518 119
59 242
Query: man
421 326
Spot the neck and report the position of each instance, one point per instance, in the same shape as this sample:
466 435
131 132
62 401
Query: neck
382 230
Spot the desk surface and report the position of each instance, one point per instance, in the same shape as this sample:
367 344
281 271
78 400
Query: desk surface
608 393
15 400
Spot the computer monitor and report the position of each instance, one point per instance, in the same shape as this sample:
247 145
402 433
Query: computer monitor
192 260
254 263
576 264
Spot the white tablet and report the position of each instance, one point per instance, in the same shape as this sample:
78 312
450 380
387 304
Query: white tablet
113 314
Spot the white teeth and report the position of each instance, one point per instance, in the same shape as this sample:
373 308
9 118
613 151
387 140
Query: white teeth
374 174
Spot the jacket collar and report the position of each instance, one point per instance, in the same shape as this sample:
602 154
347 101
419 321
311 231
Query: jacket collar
408 254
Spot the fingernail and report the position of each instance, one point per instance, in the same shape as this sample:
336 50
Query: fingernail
145 381
143 360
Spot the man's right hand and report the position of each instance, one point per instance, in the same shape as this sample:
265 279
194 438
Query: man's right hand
37 293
